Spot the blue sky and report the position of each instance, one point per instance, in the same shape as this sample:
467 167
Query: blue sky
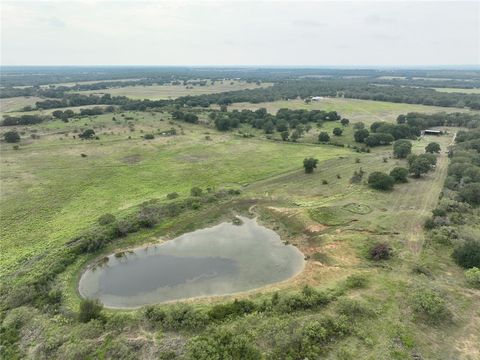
240 32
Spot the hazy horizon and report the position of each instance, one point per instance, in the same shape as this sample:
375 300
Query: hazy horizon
357 34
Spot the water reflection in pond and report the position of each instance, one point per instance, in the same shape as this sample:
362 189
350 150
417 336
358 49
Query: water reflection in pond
220 260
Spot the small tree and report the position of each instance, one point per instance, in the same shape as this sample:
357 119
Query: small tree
359 125
399 174
380 181
433 147
310 164
361 135
11 137
323 137
106 219
89 310
337 131
402 148
345 122
284 135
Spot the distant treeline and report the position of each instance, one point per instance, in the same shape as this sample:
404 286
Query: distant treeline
31 76
423 121
58 92
357 89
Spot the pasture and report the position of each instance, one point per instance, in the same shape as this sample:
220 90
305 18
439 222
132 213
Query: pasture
459 90
168 91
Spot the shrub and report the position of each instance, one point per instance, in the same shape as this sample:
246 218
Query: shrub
433 147
87 134
172 196
380 251
154 314
402 148
337 131
149 136
380 181
323 137
309 164
89 309
467 254
356 281
428 304
106 219
185 317
353 308
360 135
196 191
399 174
11 137
470 193
473 277
222 345
235 308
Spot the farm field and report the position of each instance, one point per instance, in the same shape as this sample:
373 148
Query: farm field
459 90
159 92
366 111
17 103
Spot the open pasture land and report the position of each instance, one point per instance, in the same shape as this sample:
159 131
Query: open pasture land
168 91
367 111
17 103
50 191
459 90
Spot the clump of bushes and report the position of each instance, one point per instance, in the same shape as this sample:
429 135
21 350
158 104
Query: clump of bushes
399 174
309 164
11 137
473 277
222 345
356 281
233 309
106 219
89 310
149 136
357 176
172 196
380 251
467 254
380 181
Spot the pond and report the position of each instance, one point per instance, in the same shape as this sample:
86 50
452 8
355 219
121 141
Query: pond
220 260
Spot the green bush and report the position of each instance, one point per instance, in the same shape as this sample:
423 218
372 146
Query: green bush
106 219
380 181
235 308
467 254
352 308
196 191
11 137
399 174
323 137
473 277
356 281
430 305
185 317
222 345
89 310
172 196
149 136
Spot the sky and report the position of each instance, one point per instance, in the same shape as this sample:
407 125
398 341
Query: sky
313 33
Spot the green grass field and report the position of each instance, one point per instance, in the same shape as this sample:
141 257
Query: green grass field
17 103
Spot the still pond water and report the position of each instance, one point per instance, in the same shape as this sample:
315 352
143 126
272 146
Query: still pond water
219 260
